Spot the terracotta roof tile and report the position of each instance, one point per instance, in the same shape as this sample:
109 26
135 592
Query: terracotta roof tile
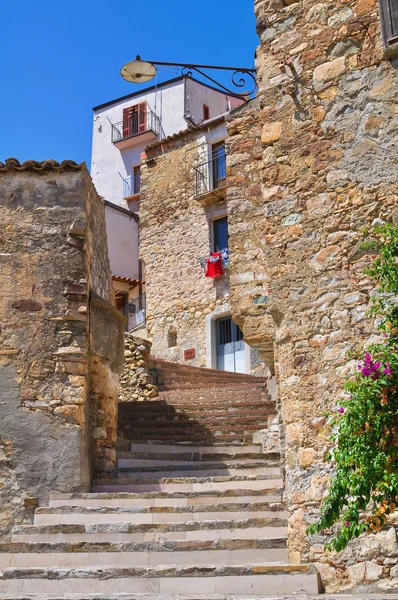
12 164
191 129
126 279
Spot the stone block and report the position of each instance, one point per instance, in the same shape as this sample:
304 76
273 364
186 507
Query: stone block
328 71
271 132
306 457
27 305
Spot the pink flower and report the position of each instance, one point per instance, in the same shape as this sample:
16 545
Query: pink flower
347 523
340 410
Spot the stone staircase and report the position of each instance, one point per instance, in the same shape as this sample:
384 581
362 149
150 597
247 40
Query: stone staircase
195 510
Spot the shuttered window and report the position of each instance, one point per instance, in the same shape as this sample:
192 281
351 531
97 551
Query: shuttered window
134 119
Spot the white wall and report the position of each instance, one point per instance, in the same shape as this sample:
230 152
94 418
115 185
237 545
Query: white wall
122 234
168 103
107 160
218 102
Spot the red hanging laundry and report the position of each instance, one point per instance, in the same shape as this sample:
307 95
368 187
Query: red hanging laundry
214 265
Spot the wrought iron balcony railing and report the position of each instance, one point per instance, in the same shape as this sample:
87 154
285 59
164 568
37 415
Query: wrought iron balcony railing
210 175
131 185
136 125
136 313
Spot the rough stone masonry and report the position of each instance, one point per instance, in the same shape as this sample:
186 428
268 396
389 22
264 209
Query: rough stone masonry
61 346
310 161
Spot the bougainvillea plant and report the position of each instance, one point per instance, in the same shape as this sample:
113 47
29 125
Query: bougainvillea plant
364 488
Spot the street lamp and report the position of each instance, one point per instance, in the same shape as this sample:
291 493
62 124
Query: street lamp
141 71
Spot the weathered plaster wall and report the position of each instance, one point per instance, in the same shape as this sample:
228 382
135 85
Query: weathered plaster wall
51 264
310 161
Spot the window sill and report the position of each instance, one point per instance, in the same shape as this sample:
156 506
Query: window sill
391 51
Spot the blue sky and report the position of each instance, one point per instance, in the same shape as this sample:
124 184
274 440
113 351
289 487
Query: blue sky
59 59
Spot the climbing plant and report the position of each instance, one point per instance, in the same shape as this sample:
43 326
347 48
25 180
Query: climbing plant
364 488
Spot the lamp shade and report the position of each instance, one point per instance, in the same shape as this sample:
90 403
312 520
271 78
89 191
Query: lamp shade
138 71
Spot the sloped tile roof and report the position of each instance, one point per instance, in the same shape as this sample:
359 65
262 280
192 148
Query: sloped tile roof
12 164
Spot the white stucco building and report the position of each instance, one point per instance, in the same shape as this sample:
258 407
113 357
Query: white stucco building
122 129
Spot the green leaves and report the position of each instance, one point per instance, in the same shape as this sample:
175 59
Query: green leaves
364 490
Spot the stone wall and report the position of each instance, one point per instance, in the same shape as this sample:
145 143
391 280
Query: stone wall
175 234
51 267
310 161
136 382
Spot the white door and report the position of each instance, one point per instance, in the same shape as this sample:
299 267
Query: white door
231 355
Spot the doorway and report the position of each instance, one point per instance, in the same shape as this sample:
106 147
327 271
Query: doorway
230 347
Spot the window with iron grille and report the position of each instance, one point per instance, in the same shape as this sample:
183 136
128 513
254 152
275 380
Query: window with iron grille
389 21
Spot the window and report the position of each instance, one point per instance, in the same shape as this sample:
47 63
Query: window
218 165
389 21
171 338
134 119
220 234
206 112
136 180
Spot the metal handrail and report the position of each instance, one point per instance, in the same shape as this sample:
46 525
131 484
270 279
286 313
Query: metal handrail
211 175
132 127
135 312
131 185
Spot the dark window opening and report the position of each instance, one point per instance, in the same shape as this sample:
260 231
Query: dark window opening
171 339
136 180
121 300
206 112
220 234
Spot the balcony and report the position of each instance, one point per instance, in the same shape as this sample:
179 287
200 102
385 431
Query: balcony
136 313
210 178
131 186
136 129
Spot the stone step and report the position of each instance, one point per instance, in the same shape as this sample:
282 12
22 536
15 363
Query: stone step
187 416
163 500
201 450
219 400
75 557
220 579
124 533
294 596
126 461
270 459
176 426
76 515
168 434
173 434
199 387
236 396
163 366
150 473
112 486
258 528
